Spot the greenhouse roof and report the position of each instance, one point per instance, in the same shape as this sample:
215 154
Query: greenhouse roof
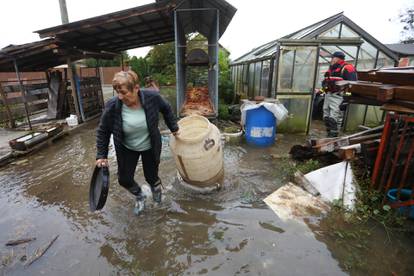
327 31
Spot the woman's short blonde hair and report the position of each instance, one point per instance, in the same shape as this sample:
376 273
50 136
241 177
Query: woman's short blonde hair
127 78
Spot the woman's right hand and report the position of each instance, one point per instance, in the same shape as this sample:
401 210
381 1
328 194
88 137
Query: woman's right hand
102 163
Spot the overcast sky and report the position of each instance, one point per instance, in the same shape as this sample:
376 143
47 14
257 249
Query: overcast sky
256 21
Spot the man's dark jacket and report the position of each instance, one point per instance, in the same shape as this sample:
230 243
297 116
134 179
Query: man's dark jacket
111 122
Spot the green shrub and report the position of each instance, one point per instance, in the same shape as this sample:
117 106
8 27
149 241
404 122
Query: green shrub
223 112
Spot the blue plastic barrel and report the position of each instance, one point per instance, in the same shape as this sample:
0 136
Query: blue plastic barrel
260 127
405 195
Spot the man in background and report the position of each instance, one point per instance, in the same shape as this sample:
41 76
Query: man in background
332 113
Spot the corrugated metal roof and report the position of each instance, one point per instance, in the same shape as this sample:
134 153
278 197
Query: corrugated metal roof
42 55
145 25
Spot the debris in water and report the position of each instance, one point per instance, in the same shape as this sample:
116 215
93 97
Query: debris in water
305 184
335 182
20 241
40 252
301 153
176 208
271 227
291 202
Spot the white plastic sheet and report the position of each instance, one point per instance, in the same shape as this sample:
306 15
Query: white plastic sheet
330 181
277 108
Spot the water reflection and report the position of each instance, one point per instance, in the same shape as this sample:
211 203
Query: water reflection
226 233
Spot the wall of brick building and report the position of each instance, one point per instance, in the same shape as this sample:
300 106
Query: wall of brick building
105 73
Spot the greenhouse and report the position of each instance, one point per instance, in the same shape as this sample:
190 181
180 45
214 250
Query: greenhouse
292 67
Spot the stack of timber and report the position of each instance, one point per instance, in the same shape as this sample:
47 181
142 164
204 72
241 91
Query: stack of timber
391 88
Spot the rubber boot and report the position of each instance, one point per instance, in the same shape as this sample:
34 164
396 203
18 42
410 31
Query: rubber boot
156 191
139 204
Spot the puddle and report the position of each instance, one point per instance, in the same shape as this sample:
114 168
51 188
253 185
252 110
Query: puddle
225 233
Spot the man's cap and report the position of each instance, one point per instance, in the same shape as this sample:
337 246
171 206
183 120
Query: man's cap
339 54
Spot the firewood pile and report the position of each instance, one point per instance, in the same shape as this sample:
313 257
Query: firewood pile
391 88
197 102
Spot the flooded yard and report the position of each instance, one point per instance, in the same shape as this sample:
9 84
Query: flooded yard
231 232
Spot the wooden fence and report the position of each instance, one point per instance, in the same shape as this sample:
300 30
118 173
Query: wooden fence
13 100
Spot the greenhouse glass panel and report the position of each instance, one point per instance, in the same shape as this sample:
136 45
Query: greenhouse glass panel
286 69
257 78
350 53
355 117
331 33
347 32
303 75
265 78
245 79
384 61
236 78
322 68
374 116
240 79
299 110
251 80
367 56
307 31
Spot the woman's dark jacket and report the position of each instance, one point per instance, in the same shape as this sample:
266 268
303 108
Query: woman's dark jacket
111 122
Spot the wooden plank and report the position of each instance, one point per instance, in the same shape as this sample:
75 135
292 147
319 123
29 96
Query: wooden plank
400 77
382 92
408 104
397 108
366 89
363 100
367 76
385 93
404 93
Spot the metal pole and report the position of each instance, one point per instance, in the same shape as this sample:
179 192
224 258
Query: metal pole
269 84
315 79
277 60
65 20
63 12
23 91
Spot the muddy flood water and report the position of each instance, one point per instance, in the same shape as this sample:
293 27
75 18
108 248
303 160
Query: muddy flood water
231 232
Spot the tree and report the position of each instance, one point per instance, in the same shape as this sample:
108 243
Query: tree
161 63
226 90
161 58
407 19
140 66
116 61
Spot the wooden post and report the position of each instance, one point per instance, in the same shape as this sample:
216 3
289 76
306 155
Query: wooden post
23 91
8 111
73 88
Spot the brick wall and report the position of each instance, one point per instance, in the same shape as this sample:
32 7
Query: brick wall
11 76
105 73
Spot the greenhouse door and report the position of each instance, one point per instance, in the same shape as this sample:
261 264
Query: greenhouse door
295 84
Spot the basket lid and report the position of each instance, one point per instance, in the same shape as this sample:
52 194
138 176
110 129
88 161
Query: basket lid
99 188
